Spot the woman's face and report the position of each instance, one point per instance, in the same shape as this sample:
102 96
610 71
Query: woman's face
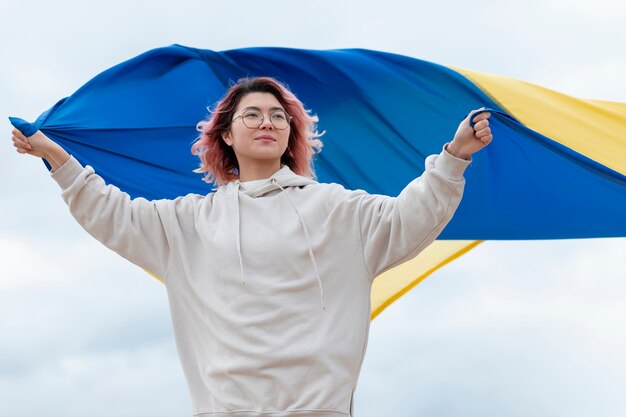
264 143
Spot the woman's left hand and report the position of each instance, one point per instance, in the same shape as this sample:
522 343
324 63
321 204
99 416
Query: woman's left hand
468 140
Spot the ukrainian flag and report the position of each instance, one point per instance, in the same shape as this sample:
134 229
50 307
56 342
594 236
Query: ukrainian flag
555 170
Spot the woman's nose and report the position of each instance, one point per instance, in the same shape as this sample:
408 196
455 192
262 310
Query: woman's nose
266 123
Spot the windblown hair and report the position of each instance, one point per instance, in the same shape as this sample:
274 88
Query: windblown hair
218 160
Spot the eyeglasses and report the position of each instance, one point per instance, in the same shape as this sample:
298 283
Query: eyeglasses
253 119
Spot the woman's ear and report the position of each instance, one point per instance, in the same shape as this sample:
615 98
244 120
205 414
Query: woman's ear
226 138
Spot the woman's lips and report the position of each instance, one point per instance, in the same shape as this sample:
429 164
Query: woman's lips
265 138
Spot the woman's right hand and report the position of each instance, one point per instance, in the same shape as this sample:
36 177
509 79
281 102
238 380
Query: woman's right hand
35 145
41 146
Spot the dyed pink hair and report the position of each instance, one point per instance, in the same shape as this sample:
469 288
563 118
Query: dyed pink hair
218 160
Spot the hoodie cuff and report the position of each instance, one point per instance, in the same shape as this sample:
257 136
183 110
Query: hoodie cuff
450 165
67 173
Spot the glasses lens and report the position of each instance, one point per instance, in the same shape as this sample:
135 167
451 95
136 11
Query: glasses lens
252 118
280 120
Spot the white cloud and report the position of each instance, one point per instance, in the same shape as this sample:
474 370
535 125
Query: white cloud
30 262
33 79
525 329
599 79
120 383
598 14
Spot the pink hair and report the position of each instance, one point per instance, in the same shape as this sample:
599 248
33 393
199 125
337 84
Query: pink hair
218 160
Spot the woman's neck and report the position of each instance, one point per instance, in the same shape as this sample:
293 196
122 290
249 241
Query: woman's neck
258 170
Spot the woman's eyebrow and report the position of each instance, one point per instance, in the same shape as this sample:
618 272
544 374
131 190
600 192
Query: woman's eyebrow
257 108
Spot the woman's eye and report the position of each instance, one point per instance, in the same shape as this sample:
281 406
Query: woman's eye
279 116
252 116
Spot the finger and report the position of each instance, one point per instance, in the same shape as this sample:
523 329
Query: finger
18 134
486 139
482 133
473 112
482 124
482 116
17 142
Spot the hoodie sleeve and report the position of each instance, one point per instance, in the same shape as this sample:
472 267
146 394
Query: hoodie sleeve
394 230
133 228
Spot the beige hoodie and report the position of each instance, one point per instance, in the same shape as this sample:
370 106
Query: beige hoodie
269 287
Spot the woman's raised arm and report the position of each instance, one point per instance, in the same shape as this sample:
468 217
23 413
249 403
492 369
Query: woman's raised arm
134 228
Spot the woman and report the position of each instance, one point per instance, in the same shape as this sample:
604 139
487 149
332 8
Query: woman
268 277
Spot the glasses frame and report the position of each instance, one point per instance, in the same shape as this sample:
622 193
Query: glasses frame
289 119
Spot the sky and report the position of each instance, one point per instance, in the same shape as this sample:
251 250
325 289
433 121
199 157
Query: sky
510 329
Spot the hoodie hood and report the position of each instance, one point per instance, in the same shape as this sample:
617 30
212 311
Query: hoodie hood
281 179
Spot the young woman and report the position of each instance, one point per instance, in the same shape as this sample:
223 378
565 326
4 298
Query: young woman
268 277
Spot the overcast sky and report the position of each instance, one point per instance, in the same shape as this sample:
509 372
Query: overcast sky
509 329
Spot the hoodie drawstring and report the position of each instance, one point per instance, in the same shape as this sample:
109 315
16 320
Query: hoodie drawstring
237 232
306 233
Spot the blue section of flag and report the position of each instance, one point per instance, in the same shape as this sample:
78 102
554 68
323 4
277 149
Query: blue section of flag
382 113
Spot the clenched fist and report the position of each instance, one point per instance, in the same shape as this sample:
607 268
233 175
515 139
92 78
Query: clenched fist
41 146
468 140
